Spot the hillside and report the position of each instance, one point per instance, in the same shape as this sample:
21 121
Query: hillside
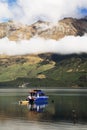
49 71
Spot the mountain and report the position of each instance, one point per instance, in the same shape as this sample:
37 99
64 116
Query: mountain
43 70
68 26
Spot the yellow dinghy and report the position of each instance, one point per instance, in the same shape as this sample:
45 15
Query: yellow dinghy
23 102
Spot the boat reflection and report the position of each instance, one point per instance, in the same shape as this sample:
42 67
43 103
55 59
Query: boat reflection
38 107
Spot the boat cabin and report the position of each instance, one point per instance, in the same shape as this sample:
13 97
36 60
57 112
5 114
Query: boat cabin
36 93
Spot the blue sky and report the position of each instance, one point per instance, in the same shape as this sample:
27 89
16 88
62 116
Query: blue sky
9 1
83 11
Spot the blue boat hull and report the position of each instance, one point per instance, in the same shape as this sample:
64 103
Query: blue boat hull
41 99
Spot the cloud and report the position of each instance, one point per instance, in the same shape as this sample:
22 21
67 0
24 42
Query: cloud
36 45
33 10
29 11
4 11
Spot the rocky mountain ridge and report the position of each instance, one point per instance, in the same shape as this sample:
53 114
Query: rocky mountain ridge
65 27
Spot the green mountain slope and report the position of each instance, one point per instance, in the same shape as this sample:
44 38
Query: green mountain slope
46 70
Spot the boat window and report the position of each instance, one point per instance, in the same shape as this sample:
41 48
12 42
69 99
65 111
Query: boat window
41 94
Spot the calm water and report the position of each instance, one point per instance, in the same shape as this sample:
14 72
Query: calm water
66 110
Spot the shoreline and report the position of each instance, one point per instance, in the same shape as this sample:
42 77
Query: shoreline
18 90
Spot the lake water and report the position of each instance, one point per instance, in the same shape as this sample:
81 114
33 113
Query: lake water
66 110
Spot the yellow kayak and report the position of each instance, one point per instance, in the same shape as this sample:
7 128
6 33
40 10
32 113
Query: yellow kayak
23 102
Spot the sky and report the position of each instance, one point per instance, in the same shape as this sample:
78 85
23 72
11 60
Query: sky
30 11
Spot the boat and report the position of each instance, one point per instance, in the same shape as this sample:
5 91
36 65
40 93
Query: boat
37 96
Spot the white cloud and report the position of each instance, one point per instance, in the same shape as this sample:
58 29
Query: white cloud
51 10
28 11
67 45
4 11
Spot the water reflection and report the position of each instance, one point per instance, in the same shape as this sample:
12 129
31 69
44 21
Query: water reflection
60 108
37 107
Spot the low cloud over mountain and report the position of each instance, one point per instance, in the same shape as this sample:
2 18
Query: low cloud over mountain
67 36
